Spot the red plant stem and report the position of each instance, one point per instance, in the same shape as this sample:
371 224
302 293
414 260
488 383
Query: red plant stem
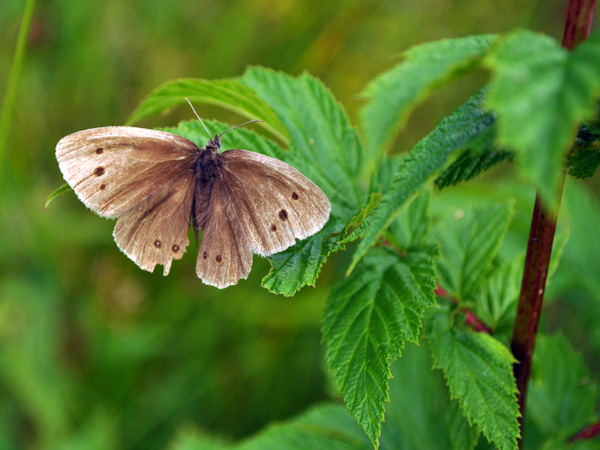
539 248
541 237
471 318
579 22
476 323
587 433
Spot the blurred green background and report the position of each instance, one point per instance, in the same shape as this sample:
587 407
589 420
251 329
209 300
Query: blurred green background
96 353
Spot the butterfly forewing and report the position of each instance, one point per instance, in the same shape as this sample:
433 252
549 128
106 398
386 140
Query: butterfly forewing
273 202
112 169
155 231
225 255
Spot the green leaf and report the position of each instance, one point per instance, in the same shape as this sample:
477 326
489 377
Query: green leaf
463 436
393 94
556 444
479 373
561 237
300 264
561 444
585 157
61 190
471 164
499 293
243 138
470 240
367 319
541 93
325 427
386 172
411 227
323 144
497 297
228 93
584 162
420 415
191 439
561 397
356 227
425 161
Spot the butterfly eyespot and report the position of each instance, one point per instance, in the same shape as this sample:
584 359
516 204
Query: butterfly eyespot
204 255
102 187
218 258
157 243
283 215
175 248
99 150
273 227
99 171
295 196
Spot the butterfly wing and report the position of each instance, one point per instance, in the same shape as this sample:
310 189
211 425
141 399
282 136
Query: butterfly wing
225 255
273 202
112 169
155 231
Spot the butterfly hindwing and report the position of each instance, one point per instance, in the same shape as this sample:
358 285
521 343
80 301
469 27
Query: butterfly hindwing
225 255
112 169
155 231
273 202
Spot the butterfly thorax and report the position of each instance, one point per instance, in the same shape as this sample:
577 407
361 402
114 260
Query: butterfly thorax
208 162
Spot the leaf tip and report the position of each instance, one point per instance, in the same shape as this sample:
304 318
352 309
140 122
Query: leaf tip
61 190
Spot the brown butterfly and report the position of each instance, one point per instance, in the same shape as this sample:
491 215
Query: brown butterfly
157 182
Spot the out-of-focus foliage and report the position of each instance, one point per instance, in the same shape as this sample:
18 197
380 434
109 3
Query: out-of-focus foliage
560 87
95 353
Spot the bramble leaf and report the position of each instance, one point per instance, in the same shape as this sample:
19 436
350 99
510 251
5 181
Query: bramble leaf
323 144
229 94
368 317
300 264
479 373
541 93
356 227
326 148
393 94
420 415
410 229
323 427
326 427
243 138
470 240
471 164
561 397
462 435
499 293
425 161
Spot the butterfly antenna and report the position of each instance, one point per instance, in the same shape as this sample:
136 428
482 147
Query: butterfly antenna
192 106
241 125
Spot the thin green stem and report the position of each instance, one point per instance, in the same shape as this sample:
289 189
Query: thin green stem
13 79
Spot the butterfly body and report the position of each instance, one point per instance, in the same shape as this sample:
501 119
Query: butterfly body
207 165
157 182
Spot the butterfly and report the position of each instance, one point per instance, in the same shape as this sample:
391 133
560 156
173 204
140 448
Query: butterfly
156 183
